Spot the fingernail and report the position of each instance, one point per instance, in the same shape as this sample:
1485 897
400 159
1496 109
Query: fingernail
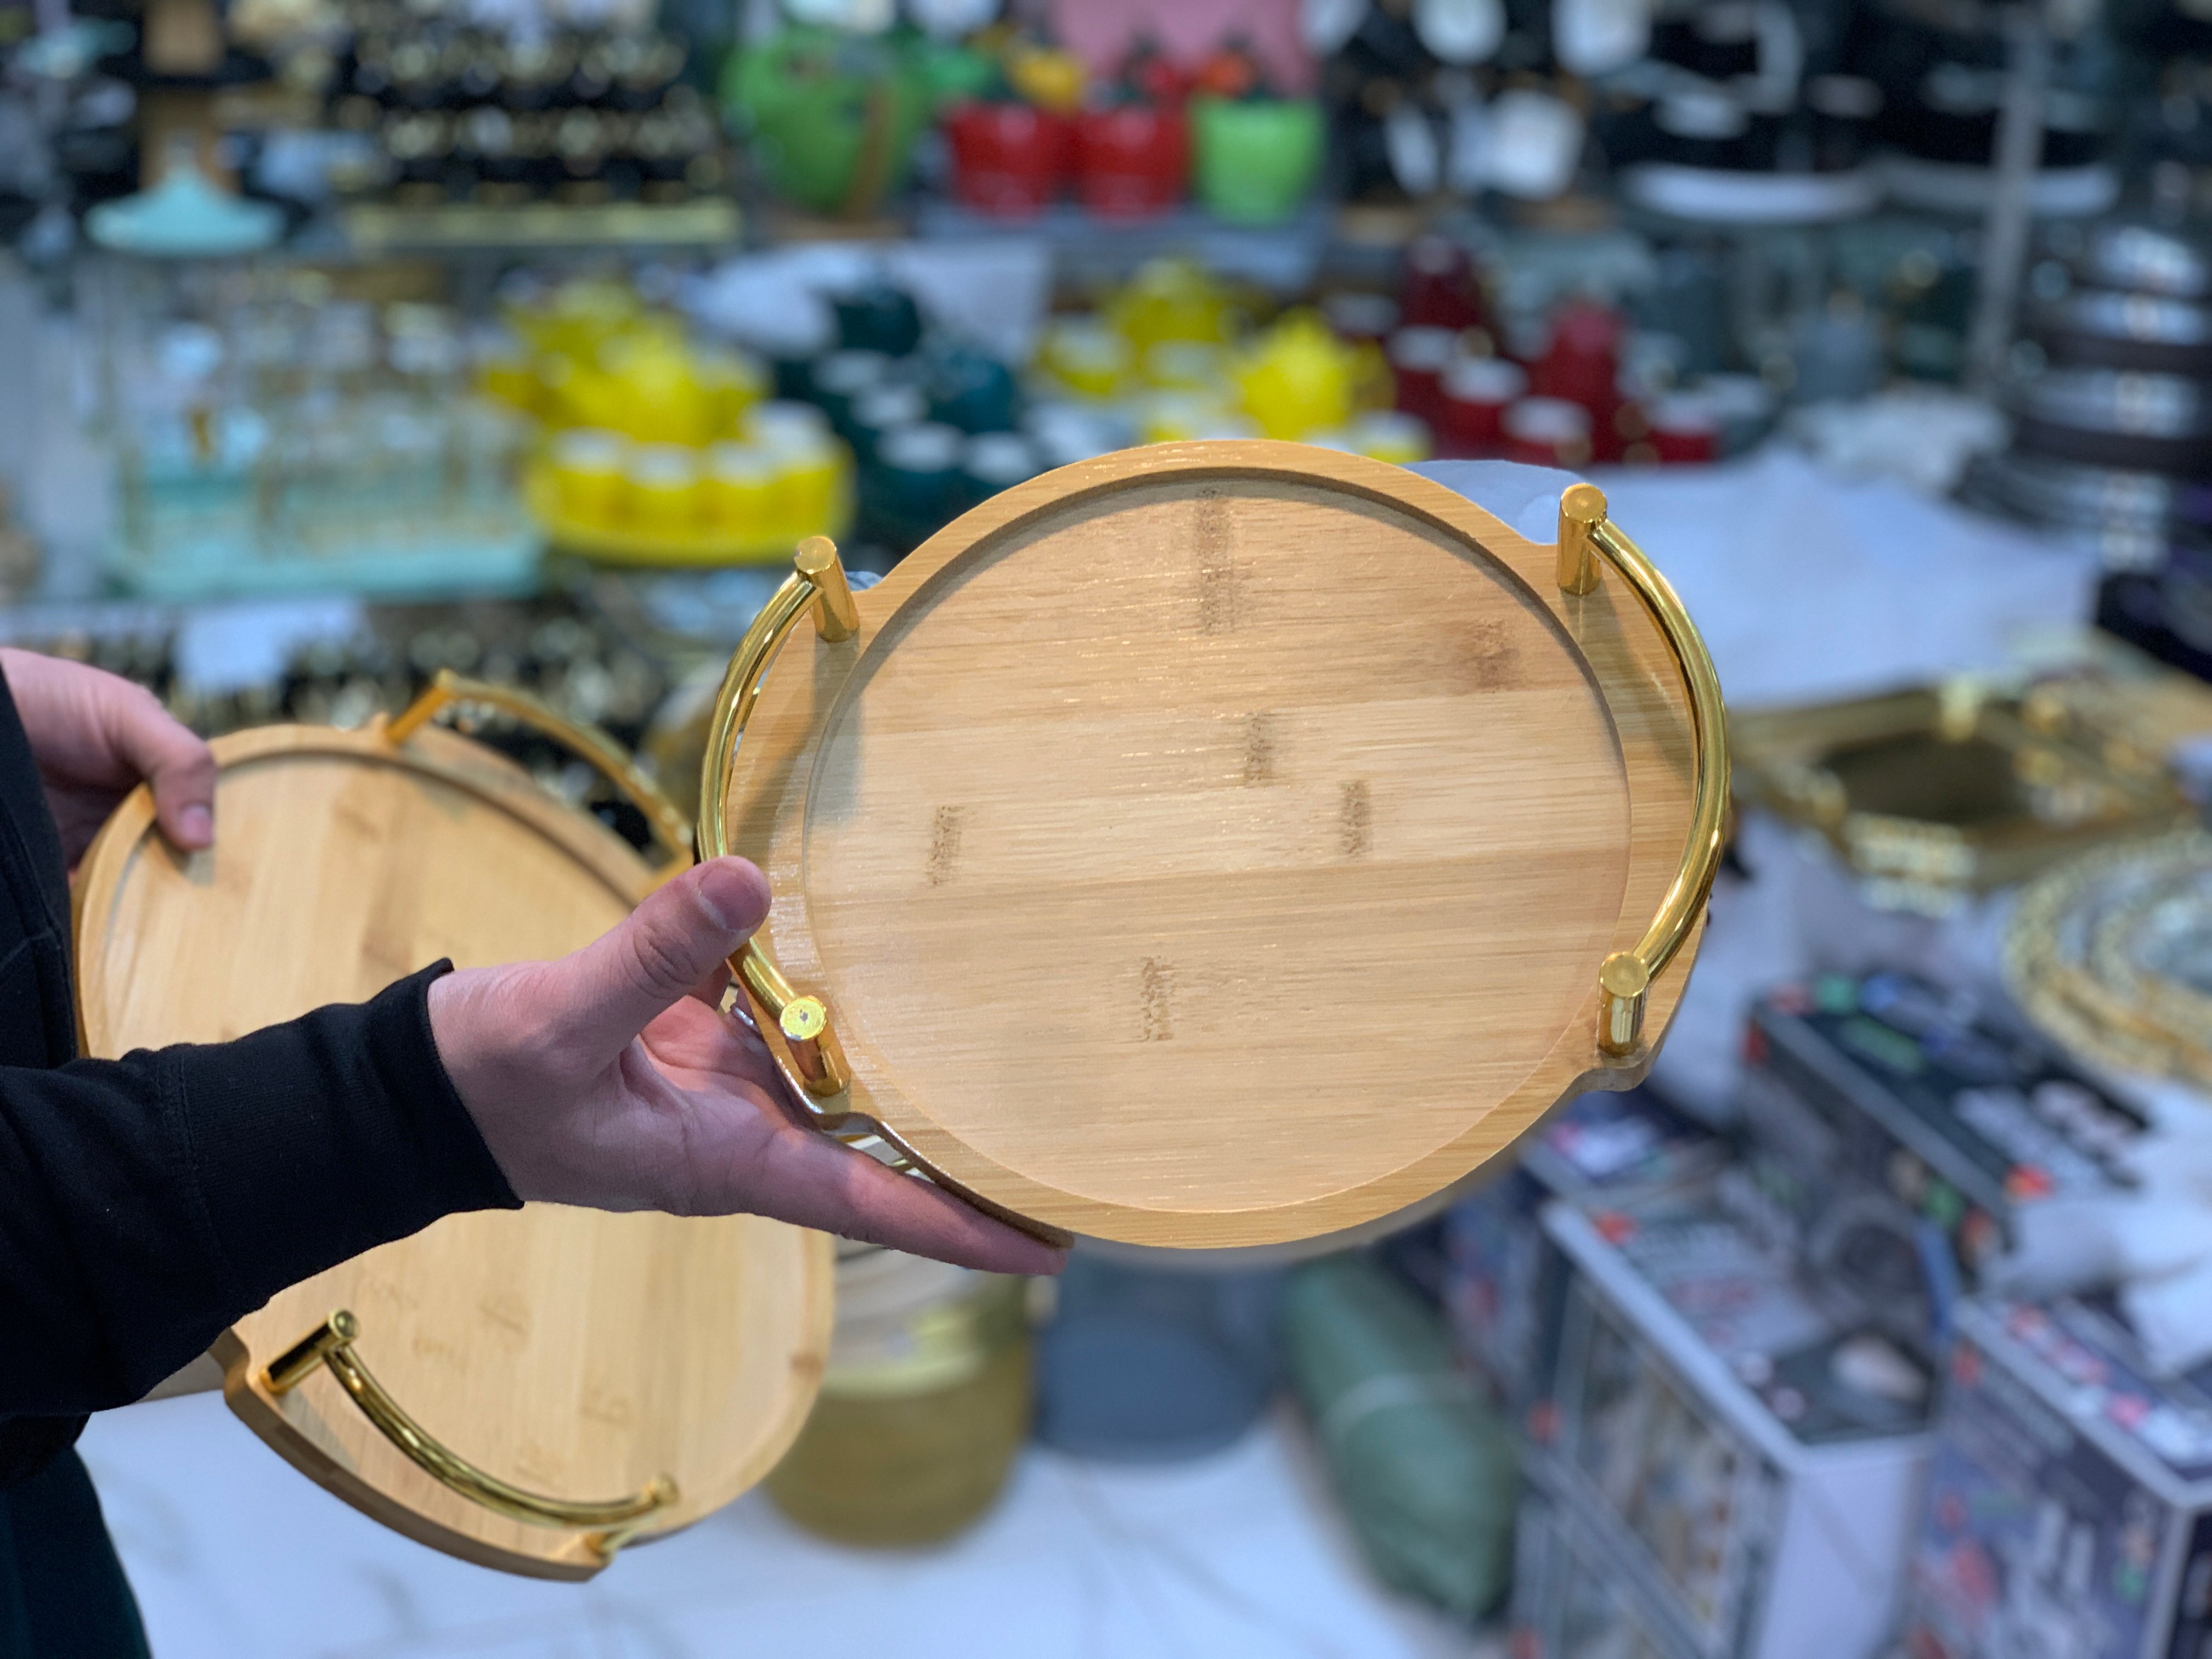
196 825
715 907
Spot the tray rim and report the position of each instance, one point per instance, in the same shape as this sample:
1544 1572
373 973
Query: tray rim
1573 1064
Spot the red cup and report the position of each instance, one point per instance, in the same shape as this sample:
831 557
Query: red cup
1440 290
1476 392
1008 160
1419 357
1582 361
1686 429
1131 161
1547 432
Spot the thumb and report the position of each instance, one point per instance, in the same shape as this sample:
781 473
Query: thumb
604 994
152 744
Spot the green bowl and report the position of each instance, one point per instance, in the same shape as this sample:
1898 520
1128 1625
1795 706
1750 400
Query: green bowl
1255 162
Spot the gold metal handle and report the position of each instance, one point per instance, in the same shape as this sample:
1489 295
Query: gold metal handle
331 1343
448 690
1625 979
816 585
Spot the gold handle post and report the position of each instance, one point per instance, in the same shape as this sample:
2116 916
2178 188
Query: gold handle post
611 1522
448 690
1625 979
816 585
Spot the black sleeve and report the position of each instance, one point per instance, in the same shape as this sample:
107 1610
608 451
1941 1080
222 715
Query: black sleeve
147 1202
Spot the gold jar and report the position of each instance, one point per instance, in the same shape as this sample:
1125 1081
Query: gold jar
923 1407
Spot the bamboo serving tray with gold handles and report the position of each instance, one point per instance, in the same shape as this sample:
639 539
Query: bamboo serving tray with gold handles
524 1389
1220 844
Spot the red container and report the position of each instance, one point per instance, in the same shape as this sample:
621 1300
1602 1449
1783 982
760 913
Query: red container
1583 360
1440 290
1476 391
1582 364
1547 432
1419 357
1686 429
1131 161
1008 160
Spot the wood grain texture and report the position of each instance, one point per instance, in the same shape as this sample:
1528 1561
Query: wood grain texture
569 1352
1216 844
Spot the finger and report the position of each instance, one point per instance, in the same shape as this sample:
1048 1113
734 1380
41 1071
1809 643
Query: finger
808 1180
605 993
178 765
712 989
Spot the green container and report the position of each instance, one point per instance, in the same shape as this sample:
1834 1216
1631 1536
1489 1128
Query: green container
1255 162
830 119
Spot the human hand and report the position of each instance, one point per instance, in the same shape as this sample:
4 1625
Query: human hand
96 737
609 1078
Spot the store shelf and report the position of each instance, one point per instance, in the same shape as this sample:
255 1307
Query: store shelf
1086 248
1714 196
503 564
462 227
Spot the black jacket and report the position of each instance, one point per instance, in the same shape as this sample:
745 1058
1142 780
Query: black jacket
147 1202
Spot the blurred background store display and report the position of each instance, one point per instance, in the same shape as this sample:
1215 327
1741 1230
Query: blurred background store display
349 340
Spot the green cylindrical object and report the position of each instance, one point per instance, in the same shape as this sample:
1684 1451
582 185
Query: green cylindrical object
1425 1469
1255 162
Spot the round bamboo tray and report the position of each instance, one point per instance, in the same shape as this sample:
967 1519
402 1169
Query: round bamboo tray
524 1389
1220 844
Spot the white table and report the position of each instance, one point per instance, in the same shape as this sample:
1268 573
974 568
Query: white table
1238 1556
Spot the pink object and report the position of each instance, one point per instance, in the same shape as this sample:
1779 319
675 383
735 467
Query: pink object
1132 161
1547 432
1419 357
1476 392
1008 160
1103 33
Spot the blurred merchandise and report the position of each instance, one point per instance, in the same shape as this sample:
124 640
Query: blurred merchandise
1255 160
21 558
1748 1458
657 448
1575 1595
2112 955
2068 1505
1132 160
1154 1363
1424 1470
1500 1286
923 1407
1008 160
1897 1133
279 428
2112 430
830 118
1932 794
1926 436
445 112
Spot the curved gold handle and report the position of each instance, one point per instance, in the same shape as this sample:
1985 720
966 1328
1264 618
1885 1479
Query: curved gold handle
331 1343
1625 978
816 585
448 690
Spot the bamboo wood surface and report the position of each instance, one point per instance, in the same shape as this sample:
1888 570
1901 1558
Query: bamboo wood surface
1216 844
571 1352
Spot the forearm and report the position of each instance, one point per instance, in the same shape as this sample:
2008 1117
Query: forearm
147 1202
